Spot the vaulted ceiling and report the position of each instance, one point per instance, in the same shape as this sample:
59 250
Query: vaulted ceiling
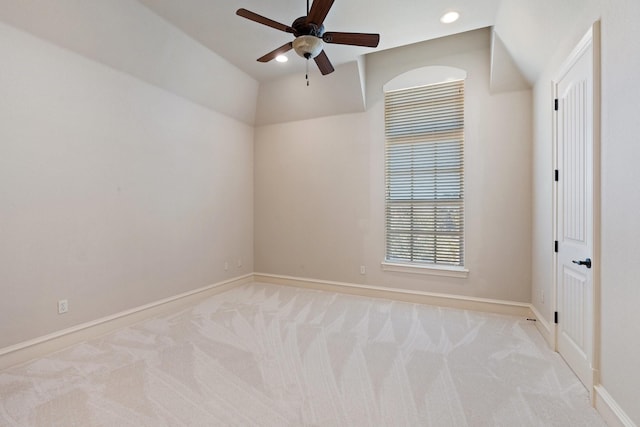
241 42
194 48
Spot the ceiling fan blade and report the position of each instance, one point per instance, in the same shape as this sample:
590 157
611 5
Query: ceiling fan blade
323 63
319 10
264 21
279 51
353 39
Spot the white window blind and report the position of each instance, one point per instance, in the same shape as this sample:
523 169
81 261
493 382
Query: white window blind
424 161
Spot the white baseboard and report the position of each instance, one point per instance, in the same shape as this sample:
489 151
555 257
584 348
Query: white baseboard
442 300
611 412
16 354
38 347
546 329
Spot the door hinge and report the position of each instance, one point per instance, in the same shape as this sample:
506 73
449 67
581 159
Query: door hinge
555 104
556 175
555 317
555 246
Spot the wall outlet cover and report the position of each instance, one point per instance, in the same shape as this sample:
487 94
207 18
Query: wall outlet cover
63 306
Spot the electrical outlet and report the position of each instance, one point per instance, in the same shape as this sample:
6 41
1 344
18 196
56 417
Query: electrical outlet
239 262
542 296
363 269
63 306
226 265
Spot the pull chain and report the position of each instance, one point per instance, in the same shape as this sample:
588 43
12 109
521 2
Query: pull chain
306 76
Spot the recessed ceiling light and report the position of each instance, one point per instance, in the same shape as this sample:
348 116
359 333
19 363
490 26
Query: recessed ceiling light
450 17
281 58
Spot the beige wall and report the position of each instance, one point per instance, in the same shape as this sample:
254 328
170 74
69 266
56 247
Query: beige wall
319 184
311 197
621 204
113 193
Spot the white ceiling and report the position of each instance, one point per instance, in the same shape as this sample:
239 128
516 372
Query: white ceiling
240 41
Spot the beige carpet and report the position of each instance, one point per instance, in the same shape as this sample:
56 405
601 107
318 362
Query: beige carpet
266 355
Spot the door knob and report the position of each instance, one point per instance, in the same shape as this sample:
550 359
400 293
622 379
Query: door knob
586 262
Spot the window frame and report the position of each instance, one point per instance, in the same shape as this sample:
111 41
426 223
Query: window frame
454 265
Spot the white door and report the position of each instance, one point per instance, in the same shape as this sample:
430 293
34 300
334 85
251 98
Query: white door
575 219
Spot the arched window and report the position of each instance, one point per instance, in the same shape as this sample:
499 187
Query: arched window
424 167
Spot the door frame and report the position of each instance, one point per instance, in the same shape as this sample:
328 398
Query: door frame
591 40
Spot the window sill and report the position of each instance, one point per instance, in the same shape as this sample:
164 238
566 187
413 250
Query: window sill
432 270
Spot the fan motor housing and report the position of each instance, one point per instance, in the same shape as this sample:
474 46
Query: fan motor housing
304 28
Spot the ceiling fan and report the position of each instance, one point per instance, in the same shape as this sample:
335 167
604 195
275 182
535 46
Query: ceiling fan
310 35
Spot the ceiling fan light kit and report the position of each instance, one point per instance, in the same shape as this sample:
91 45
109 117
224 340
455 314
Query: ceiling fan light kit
310 36
308 46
